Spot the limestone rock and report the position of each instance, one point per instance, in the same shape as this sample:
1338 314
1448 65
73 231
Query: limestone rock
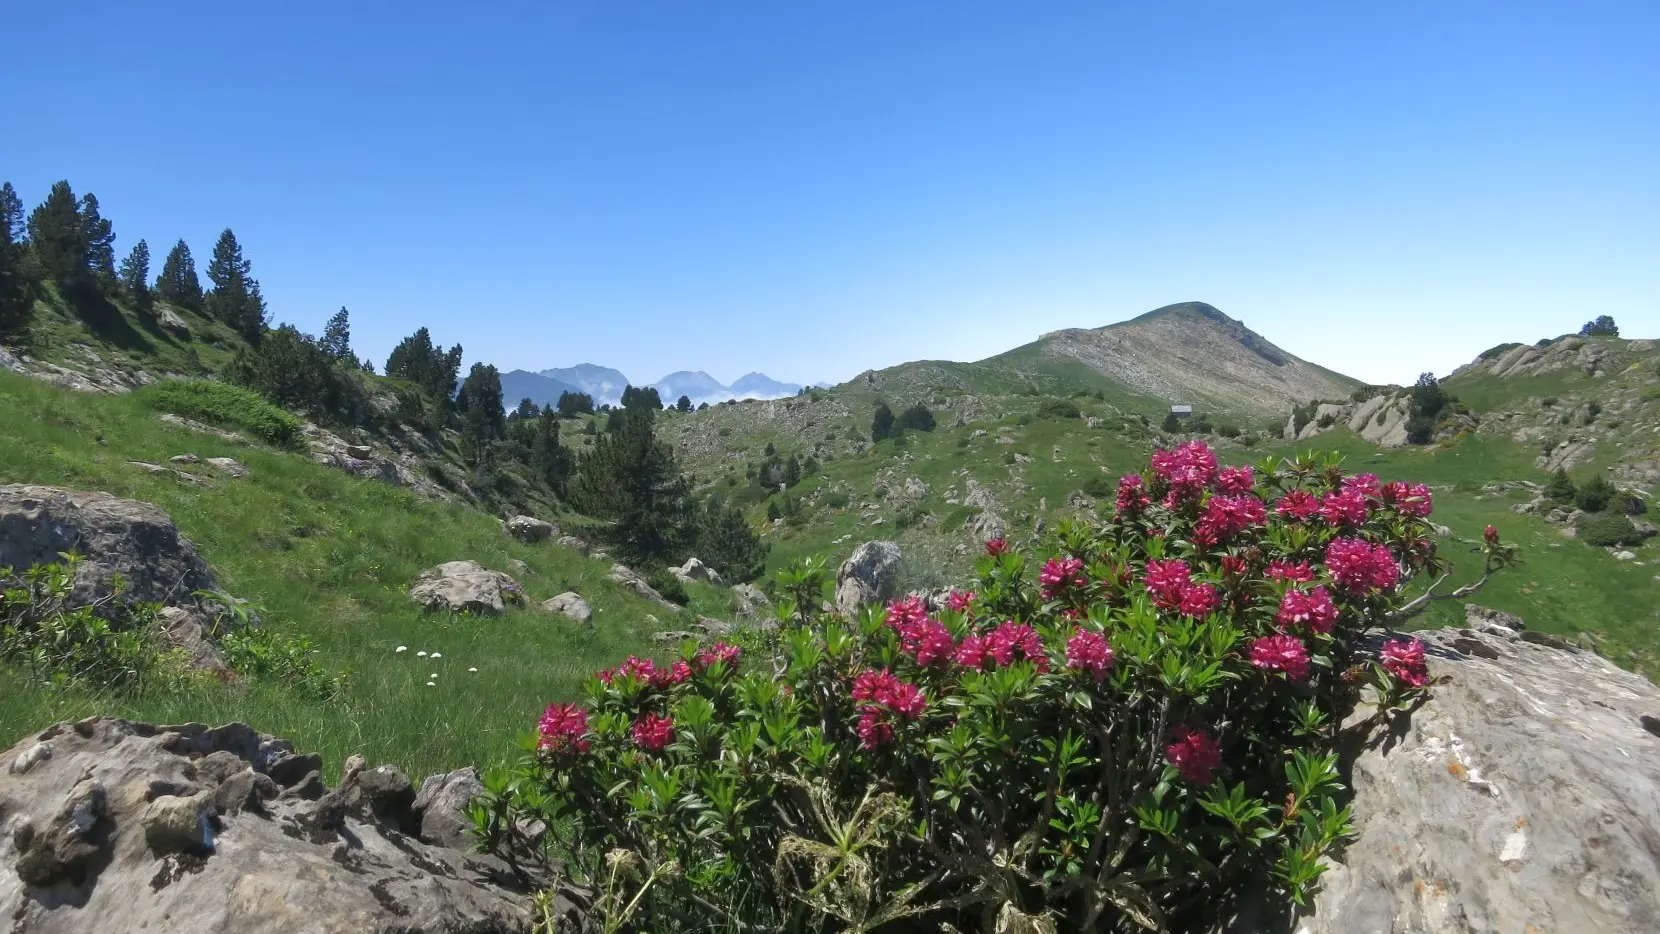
1497 622
170 320
1571 453
695 570
466 587
441 807
573 543
229 466
870 575
125 832
1521 797
571 605
624 575
114 537
185 459
530 530
749 600
188 630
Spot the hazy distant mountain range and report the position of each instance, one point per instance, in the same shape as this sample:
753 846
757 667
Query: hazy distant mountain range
606 386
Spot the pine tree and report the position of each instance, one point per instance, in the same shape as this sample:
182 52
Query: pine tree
57 238
917 418
1603 326
1561 487
551 461
235 298
629 480
881 424
177 284
337 337
16 291
483 419
420 361
792 471
572 404
684 405
135 274
99 238
726 542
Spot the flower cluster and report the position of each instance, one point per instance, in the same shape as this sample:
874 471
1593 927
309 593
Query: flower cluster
1299 505
924 639
719 652
1226 515
882 697
563 728
1404 658
1188 470
959 601
652 732
1281 653
1408 499
1132 496
1005 645
1307 609
1087 651
1280 569
1240 479
1347 507
1195 754
1360 567
1060 575
1170 584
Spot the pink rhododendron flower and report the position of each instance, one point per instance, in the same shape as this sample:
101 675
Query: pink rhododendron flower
1229 515
1404 658
959 601
1189 469
996 547
636 667
1345 508
906 700
1060 575
1310 609
1013 641
1198 601
563 728
1166 580
1298 504
1087 651
1281 653
1408 499
1238 479
874 729
668 677
1366 484
1234 566
905 612
1132 496
972 652
719 652
882 696
1490 535
1280 569
873 685
1194 754
652 732
929 643
1360 567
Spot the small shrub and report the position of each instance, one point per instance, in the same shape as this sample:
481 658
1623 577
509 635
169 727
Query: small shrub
110 645
1610 531
669 586
1023 419
912 770
1592 410
1630 504
1229 431
1100 486
223 405
958 517
1548 401
962 442
1009 458
289 660
1057 408
913 517
1420 429
1594 495
836 499
1560 489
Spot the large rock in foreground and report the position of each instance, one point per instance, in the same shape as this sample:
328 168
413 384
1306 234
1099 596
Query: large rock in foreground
114 536
871 575
466 587
1524 796
116 826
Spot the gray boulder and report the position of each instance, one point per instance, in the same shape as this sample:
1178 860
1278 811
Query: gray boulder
573 543
114 536
126 826
466 587
871 575
571 605
624 575
441 807
1523 796
530 530
695 570
229 466
749 600
188 630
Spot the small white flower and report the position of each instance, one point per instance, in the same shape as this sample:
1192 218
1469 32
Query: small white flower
421 654
432 684
438 655
401 648
472 669
433 676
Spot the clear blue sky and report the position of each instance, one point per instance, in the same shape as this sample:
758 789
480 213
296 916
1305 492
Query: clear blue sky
813 189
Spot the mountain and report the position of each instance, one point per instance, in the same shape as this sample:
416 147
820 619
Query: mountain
603 383
699 386
761 386
1188 353
540 389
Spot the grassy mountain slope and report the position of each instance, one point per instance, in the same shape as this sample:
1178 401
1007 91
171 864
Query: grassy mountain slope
329 556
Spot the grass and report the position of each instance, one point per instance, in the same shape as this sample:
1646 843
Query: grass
329 556
223 405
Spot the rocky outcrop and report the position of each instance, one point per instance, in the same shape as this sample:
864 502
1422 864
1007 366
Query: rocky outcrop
573 543
1523 796
530 530
189 629
870 575
466 587
625 576
114 536
403 469
696 571
116 826
749 600
570 605
228 466
440 810
1574 452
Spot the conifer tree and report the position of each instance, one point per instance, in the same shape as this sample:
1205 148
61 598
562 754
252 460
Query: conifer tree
881 424
135 274
418 360
631 482
177 284
337 337
235 298
551 461
16 291
572 404
726 542
684 405
99 238
57 238
792 471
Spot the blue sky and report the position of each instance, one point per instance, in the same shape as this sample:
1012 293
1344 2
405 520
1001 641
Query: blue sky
813 189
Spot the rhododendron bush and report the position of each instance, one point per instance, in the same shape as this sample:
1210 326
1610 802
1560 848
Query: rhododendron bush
1121 733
